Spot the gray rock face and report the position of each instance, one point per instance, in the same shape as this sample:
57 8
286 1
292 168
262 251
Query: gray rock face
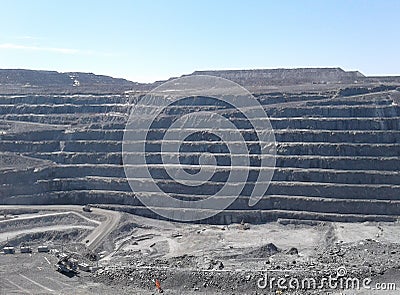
286 76
338 152
19 81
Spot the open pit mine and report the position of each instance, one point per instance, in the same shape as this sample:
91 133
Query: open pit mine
333 201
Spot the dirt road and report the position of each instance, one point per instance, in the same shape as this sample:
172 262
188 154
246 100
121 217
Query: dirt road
95 237
104 229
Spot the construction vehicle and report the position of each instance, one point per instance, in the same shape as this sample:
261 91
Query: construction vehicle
87 208
67 265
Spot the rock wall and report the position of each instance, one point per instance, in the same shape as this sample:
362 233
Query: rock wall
338 155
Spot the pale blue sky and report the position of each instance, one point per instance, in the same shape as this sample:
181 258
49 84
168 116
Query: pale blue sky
149 40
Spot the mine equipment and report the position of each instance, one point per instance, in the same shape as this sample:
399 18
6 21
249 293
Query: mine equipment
87 208
43 249
8 250
66 264
25 249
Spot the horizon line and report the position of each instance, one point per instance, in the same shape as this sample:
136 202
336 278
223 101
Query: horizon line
155 80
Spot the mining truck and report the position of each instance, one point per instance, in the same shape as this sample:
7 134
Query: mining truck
87 208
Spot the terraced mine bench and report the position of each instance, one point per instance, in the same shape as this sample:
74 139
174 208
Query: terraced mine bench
338 153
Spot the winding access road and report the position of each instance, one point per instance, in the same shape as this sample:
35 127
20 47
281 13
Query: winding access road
95 238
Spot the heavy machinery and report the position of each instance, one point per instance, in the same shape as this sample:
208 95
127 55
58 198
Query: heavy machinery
67 265
87 208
